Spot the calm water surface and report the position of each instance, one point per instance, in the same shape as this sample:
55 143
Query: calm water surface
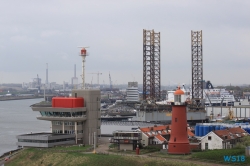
16 117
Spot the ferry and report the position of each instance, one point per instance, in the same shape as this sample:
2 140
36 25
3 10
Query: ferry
213 96
217 97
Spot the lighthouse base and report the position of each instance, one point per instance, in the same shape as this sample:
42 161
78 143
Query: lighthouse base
178 148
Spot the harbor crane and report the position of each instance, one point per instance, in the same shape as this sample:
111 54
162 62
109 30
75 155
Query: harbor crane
97 76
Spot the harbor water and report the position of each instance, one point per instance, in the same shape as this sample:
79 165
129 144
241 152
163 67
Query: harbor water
16 117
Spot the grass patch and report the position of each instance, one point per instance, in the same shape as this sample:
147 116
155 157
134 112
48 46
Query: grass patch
142 151
146 150
218 155
210 156
62 149
34 157
166 155
72 147
53 156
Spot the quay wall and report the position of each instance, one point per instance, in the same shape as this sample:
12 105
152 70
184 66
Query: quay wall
5 98
240 110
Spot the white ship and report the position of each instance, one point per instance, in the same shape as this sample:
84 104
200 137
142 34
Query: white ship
212 96
217 97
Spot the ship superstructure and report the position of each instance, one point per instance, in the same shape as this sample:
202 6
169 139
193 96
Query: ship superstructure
212 96
219 97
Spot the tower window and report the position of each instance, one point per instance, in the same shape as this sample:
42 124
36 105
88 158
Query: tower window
174 139
75 94
177 98
175 119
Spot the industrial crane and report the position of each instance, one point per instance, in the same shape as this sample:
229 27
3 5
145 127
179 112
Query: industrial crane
103 84
97 76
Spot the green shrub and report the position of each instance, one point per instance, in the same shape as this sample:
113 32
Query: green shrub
196 150
152 148
245 141
112 146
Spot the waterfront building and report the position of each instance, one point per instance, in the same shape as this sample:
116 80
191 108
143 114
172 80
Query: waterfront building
132 92
78 115
126 140
44 140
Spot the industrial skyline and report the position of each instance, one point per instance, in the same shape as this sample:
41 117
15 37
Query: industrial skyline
45 32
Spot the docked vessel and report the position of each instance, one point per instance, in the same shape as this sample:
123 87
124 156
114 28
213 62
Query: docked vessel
217 97
213 96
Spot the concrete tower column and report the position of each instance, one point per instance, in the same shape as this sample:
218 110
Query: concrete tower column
51 128
63 127
76 131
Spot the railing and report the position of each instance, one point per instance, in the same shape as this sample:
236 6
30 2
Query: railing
130 138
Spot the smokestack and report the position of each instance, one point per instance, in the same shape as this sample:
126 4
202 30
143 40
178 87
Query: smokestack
75 71
47 81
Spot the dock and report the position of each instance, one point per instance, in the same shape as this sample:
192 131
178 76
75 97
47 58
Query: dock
241 110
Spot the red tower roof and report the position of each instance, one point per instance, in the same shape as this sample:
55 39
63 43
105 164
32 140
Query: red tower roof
179 91
67 102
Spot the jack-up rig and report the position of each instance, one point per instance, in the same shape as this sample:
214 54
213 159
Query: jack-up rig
152 110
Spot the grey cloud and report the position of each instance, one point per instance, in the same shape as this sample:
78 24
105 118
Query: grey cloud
35 32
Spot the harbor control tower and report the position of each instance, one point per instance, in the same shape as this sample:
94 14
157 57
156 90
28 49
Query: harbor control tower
79 115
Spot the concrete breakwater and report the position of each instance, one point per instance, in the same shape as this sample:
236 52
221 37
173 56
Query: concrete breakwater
10 153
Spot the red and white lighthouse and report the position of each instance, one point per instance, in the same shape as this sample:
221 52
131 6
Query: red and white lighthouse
179 143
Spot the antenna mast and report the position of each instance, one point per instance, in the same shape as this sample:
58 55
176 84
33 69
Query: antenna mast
83 54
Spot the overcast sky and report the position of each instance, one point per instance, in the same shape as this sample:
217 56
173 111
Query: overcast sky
33 33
